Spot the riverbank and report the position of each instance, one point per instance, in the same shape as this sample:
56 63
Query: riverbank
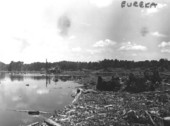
115 108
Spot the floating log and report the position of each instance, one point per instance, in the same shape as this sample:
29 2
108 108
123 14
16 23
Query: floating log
31 112
27 85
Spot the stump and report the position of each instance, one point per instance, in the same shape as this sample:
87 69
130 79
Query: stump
99 85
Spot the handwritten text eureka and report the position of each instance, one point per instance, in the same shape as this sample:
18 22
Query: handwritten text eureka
140 4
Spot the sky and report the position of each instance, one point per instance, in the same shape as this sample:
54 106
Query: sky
83 30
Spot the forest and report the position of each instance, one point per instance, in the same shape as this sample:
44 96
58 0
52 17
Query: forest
106 64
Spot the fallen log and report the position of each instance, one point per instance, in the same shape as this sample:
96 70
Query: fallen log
167 84
80 91
83 91
106 106
148 92
166 121
50 122
34 124
78 94
150 118
89 91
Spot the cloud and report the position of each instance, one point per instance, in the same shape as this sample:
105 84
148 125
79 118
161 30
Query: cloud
24 43
165 47
101 3
102 46
131 46
157 34
86 24
104 43
153 10
64 23
16 98
76 49
134 54
165 50
72 37
93 51
164 44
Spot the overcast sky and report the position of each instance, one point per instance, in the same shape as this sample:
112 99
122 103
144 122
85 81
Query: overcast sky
82 30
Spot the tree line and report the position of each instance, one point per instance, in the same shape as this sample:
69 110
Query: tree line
106 64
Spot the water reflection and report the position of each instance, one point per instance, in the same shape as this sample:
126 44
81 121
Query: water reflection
21 77
43 77
42 94
16 77
48 80
2 76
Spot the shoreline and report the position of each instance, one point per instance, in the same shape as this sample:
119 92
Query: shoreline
120 109
114 108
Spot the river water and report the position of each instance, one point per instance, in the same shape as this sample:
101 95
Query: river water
31 92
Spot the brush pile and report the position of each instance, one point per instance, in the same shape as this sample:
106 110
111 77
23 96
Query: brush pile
116 109
145 101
